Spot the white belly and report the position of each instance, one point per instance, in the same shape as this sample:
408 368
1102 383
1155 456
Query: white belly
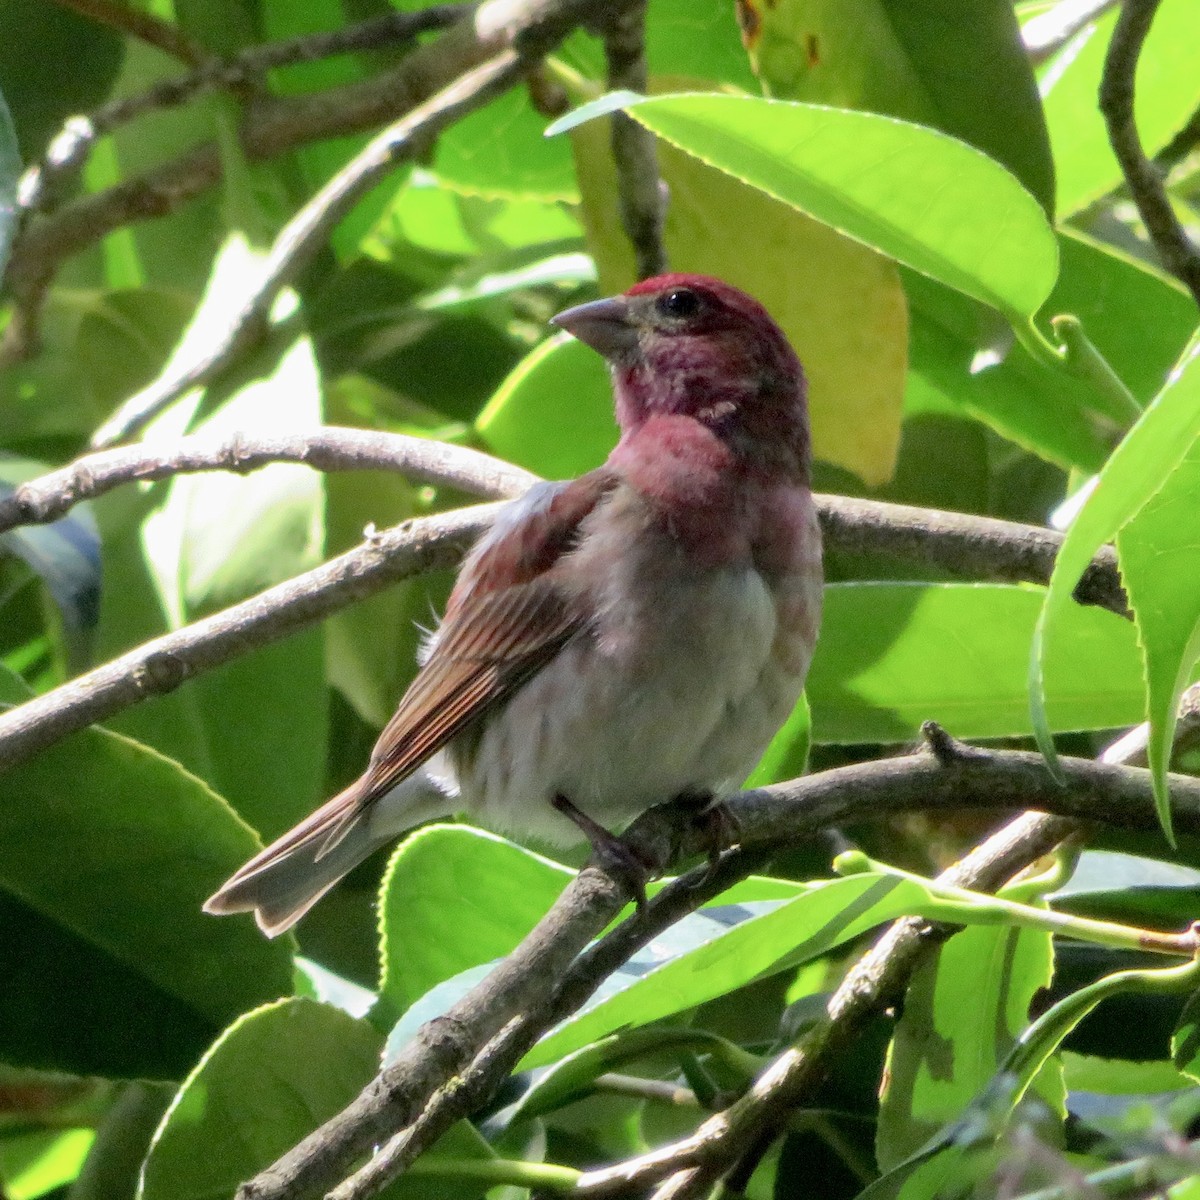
677 695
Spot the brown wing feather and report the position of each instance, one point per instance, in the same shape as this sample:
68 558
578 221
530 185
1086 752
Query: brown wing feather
508 616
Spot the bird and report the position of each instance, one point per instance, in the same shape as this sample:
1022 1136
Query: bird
630 637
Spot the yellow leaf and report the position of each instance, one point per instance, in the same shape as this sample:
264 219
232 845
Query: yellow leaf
841 304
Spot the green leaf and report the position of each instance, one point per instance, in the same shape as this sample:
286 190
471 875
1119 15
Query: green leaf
927 200
1102 286
572 1077
10 173
32 1164
892 655
271 1078
101 884
499 150
1160 564
1185 1043
40 98
787 755
1052 412
1135 473
219 538
429 213
371 647
175 253
496 890
1023 400
1167 92
98 347
554 413
743 903
959 67
1121 1077
927 1172
701 41
964 1009
732 944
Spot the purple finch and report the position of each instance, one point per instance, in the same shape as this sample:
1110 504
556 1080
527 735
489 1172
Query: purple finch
626 638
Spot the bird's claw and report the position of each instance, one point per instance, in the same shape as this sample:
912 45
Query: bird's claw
613 854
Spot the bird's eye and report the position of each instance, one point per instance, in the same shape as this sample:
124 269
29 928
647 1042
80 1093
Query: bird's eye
679 303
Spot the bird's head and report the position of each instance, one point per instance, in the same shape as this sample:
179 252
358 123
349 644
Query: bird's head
695 346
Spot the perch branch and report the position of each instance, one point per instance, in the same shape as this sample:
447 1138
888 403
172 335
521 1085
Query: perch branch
482 1038
1145 180
739 1137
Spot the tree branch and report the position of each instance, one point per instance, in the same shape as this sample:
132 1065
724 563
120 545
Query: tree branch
641 193
528 29
456 1061
975 547
1145 182
328 448
739 1137
43 186
963 545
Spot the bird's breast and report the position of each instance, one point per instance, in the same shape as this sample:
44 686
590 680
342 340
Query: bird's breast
681 677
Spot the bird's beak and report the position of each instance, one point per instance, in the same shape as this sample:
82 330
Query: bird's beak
602 324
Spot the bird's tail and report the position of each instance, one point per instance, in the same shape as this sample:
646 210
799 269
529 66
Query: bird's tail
281 883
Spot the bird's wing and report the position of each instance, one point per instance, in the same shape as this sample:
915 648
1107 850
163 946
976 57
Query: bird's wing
506 618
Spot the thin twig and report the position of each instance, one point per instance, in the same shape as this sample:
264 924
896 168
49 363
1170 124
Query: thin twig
1145 180
44 185
146 27
641 193
328 448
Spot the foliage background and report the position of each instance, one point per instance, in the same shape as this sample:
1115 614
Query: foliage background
135 1030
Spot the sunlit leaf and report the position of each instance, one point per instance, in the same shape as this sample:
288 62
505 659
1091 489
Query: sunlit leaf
959 67
892 655
840 304
1134 474
926 200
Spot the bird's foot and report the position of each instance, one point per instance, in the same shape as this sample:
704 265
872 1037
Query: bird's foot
612 853
713 823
